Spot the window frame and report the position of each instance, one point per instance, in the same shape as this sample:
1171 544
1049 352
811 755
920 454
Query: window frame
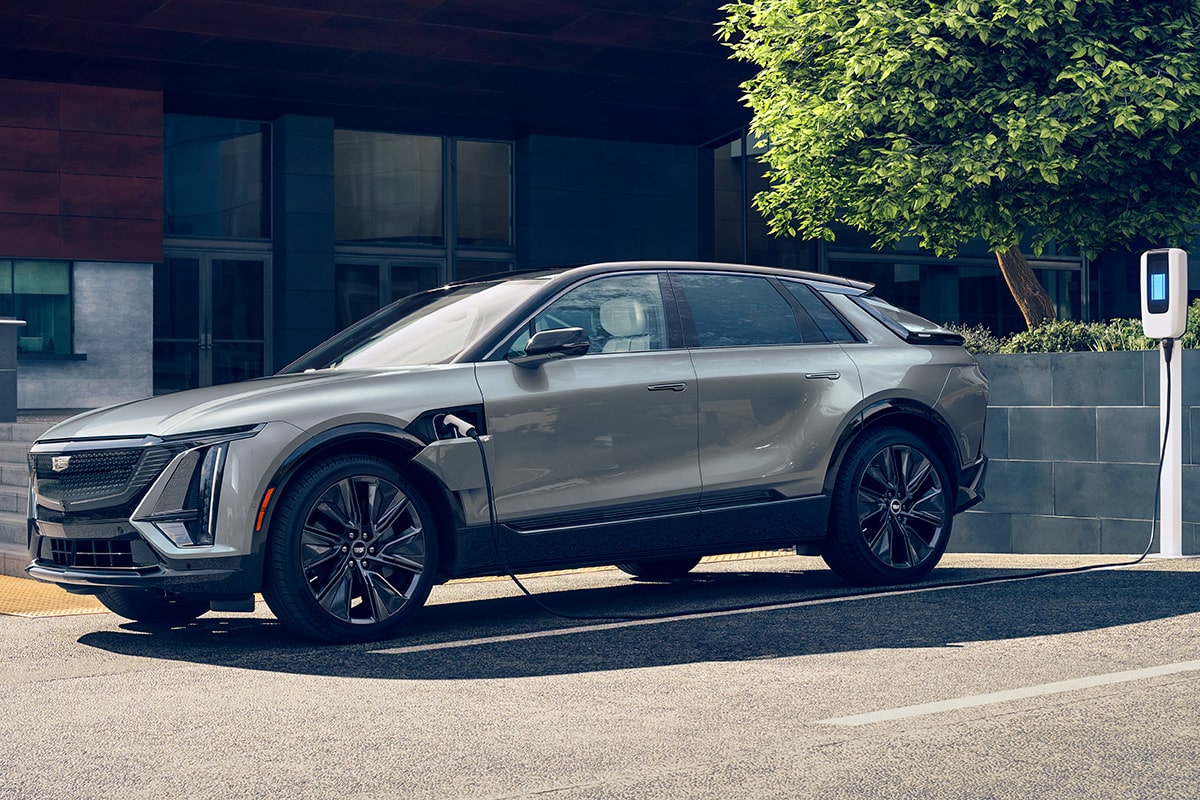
69 353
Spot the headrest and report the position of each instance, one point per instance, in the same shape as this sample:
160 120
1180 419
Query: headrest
624 316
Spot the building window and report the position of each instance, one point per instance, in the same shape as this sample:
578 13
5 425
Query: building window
740 234
38 292
483 189
215 174
968 291
361 287
387 188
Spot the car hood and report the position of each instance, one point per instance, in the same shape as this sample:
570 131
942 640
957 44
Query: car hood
297 399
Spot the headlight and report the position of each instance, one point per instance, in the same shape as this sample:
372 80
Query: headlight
184 500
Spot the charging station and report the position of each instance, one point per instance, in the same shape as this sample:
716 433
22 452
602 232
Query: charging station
1164 317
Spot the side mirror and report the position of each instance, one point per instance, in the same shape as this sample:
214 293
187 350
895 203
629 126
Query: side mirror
551 345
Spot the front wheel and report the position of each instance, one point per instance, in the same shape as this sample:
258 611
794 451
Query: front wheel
151 605
353 551
892 510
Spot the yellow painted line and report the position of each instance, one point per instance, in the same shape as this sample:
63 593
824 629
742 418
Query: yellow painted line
22 597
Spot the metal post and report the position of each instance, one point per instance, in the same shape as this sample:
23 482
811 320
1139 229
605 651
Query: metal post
1170 482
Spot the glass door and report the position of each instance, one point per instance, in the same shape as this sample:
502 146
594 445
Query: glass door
210 319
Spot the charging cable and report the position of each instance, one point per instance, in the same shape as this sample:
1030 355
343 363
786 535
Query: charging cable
466 429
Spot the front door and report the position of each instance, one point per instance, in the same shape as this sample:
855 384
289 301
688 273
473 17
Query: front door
596 455
210 319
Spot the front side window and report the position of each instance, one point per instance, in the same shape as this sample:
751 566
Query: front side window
38 292
738 311
619 314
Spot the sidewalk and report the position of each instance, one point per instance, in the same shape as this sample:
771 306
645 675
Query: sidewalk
24 597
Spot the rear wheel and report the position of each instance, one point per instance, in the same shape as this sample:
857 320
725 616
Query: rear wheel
660 569
353 551
892 510
151 605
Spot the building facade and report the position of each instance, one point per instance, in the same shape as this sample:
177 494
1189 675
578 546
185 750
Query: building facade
197 191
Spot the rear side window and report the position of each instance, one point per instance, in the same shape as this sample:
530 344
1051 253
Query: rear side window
738 311
822 315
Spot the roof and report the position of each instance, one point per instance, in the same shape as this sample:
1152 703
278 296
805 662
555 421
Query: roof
642 70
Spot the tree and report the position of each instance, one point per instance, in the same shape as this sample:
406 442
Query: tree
1051 120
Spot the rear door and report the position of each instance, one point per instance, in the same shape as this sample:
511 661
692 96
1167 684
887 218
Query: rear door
596 455
775 391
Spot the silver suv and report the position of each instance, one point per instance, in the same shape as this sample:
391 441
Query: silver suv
640 414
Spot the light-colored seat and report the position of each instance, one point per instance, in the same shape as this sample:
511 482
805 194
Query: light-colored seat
627 323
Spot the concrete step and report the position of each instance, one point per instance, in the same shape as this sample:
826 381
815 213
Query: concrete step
14 476
14 500
14 528
13 559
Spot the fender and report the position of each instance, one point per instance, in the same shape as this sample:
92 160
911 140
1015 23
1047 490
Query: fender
333 438
903 410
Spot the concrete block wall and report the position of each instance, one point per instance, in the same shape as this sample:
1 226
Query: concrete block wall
1073 442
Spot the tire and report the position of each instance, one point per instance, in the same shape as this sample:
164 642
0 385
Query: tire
892 510
151 605
660 569
352 551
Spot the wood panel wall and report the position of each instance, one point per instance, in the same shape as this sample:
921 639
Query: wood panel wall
81 172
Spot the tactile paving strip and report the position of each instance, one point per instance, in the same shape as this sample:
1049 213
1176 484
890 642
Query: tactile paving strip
22 597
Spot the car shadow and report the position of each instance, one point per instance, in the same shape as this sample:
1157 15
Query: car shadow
509 637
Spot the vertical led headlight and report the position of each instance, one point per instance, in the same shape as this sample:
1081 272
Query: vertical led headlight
212 469
184 502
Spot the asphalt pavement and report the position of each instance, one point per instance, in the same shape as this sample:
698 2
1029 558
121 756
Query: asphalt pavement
768 679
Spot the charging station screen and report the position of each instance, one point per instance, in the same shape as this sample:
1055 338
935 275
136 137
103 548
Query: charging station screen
1157 301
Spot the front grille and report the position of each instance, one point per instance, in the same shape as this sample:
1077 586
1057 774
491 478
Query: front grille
93 477
91 553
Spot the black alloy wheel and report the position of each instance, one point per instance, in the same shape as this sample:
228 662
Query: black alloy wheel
892 510
353 551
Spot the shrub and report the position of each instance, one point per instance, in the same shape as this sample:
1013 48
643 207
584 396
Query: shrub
1068 336
979 339
1059 336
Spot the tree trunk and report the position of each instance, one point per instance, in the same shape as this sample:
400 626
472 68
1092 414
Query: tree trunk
1032 299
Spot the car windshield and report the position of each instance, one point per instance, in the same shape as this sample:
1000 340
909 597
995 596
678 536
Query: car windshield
427 328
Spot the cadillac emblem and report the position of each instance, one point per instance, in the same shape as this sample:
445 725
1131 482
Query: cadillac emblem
60 463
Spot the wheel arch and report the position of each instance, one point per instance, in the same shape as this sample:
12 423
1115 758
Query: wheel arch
908 415
392 444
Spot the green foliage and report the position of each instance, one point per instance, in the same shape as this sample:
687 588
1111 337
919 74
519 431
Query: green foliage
1075 121
1065 336
1059 336
979 339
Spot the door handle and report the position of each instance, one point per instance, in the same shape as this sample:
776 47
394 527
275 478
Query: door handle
831 376
667 387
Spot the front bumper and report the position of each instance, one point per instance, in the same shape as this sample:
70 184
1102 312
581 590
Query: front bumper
184 525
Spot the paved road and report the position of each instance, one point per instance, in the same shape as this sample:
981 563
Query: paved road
1083 685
